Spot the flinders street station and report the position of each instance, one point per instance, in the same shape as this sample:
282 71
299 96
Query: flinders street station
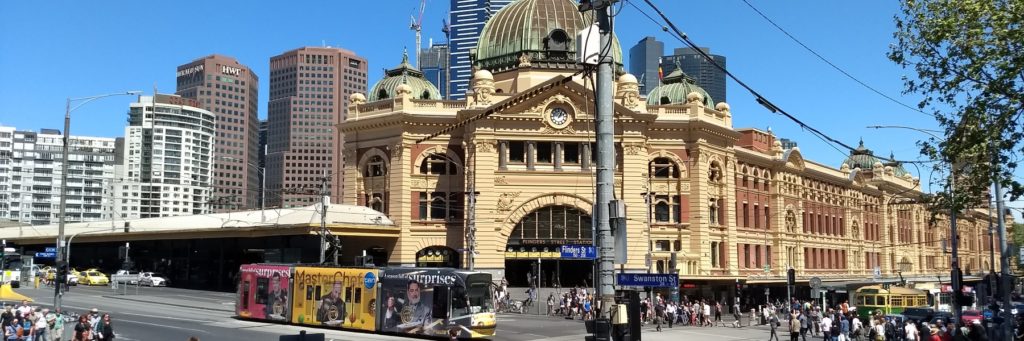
511 170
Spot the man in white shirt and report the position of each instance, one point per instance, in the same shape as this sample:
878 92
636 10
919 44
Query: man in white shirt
670 313
856 328
41 325
24 309
826 326
911 329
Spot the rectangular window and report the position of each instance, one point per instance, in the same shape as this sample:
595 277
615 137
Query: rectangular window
517 152
767 218
757 216
746 221
424 201
661 245
545 152
571 152
715 261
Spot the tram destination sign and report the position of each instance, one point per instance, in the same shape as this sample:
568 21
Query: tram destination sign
579 252
647 280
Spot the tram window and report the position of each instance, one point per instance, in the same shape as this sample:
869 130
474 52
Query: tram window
261 290
896 301
868 300
441 301
922 301
348 294
359 295
459 300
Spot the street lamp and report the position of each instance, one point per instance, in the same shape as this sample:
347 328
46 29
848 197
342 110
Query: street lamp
64 176
263 183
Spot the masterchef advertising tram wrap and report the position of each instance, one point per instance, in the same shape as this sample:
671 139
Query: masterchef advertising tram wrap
436 302
335 297
263 292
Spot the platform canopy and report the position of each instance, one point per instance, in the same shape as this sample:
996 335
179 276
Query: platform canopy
342 219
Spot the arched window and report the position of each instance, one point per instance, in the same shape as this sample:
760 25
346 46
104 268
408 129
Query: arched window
439 206
663 167
438 164
425 95
382 94
377 203
557 222
375 167
665 100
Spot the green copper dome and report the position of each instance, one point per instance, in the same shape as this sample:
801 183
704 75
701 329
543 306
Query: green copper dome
404 74
543 30
862 158
897 167
674 89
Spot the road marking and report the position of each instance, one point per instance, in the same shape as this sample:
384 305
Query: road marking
146 315
165 326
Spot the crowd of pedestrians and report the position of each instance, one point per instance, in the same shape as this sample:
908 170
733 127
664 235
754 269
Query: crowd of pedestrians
29 323
801 320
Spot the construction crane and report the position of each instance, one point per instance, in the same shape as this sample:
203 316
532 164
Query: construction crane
415 25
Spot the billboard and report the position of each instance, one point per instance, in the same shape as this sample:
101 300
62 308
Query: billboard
436 302
263 292
335 297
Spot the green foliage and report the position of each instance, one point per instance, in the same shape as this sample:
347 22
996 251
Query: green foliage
1017 238
968 56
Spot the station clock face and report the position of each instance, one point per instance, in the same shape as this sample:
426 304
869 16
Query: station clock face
559 116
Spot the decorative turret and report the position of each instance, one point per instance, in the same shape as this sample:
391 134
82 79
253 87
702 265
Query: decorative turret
404 74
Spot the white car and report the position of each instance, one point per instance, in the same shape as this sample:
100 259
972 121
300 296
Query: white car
128 273
153 279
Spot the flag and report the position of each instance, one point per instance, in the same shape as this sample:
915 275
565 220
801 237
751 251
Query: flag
661 73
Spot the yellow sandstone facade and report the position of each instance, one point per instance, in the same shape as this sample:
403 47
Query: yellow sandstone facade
732 204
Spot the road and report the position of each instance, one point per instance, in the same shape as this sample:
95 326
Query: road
176 314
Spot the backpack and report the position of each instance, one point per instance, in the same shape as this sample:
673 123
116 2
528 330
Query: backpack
872 334
890 331
20 331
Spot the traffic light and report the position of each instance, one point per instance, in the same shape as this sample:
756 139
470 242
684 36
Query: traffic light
964 300
62 273
739 287
790 277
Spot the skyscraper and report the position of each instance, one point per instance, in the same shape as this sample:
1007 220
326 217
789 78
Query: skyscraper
643 62
30 176
705 74
168 159
434 64
309 90
467 19
229 90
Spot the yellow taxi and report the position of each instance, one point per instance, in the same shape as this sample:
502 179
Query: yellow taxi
93 278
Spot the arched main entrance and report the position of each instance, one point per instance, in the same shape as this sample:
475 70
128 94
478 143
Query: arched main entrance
533 254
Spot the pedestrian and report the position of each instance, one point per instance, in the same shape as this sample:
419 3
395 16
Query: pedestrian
911 330
24 308
105 331
670 313
659 313
773 322
83 330
40 328
826 327
844 328
805 325
29 326
94 320
934 333
794 327
551 304
12 330
55 322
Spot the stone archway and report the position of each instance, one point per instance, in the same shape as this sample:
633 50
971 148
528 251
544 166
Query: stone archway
533 248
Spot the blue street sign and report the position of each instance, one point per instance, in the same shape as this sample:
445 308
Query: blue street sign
46 255
579 252
51 249
647 280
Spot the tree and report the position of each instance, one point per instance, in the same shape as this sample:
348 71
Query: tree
968 56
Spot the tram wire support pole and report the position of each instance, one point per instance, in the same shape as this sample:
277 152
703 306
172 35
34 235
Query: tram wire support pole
323 217
1004 260
605 126
57 292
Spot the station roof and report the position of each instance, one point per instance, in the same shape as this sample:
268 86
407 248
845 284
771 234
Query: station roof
340 218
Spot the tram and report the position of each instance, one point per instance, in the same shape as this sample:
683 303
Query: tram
439 302
894 300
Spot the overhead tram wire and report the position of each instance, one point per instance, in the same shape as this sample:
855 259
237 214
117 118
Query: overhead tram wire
830 63
676 33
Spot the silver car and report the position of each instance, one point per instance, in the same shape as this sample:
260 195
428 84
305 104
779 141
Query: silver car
153 279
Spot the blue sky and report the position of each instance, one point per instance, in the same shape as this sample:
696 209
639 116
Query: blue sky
53 50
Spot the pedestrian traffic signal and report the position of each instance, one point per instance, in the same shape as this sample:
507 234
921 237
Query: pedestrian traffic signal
791 277
964 300
739 287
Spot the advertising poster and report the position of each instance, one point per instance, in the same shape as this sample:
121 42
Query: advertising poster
263 291
335 297
413 301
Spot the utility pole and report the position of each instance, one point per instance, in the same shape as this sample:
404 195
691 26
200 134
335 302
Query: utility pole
1004 260
954 240
323 216
605 126
63 204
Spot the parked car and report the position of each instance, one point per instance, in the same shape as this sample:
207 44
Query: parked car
128 273
93 278
969 316
153 279
943 316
